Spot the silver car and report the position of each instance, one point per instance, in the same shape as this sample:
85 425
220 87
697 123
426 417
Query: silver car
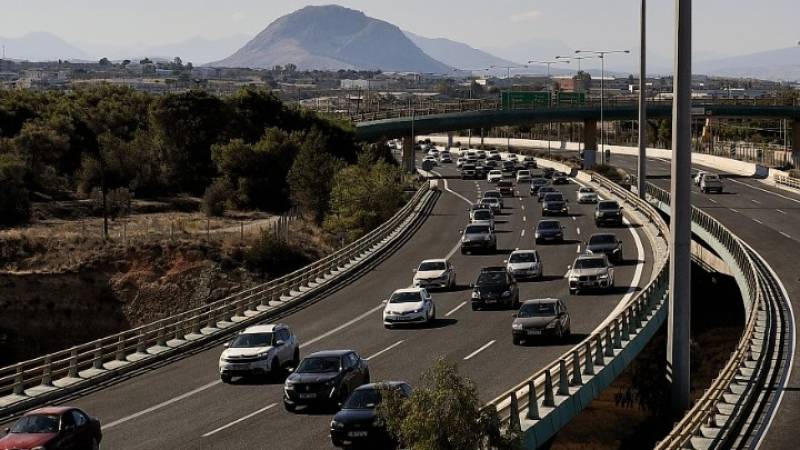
478 237
540 318
482 217
591 272
522 264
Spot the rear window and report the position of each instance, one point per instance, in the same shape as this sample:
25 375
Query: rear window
537 310
477 229
608 205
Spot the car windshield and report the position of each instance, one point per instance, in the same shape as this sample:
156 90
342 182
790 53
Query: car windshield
523 173
37 423
319 365
504 183
495 172
477 229
490 201
538 181
709 177
549 225
491 194
251 340
553 198
586 190
537 310
546 189
590 263
431 265
603 239
482 215
469 167
363 399
491 278
523 257
405 297
608 206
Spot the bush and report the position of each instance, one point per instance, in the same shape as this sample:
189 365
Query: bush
216 198
608 171
118 202
274 256
14 202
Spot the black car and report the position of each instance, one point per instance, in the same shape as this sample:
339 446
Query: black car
537 183
549 231
608 212
325 378
560 178
495 286
554 203
605 243
548 172
357 424
469 171
506 188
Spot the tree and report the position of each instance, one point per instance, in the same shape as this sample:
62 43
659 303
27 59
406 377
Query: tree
253 110
104 61
443 413
145 61
177 63
126 63
311 177
14 202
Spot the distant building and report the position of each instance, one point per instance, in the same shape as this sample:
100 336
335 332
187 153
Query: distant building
367 85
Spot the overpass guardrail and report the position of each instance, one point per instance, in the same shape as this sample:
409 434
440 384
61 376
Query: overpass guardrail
33 382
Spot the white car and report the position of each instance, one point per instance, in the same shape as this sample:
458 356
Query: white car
587 195
494 176
409 306
524 176
482 217
433 152
460 162
259 350
432 159
493 155
525 264
435 273
699 177
445 157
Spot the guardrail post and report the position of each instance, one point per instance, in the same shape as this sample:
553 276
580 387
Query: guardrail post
121 349
97 361
588 366
19 381
513 422
609 345
533 402
576 369
140 342
549 399
196 325
598 355
161 341
73 364
617 333
563 378
47 371
626 325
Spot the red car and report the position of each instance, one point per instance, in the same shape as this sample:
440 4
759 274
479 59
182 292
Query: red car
54 428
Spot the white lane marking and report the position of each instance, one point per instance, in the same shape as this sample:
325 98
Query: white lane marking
755 201
712 200
386 349
579 230
574 218
485 346
341 327
785 235
579 248
522 207
522 234
452 311
252 414
524 219
447 188
734 210
758 221
781 211
767 191
161 405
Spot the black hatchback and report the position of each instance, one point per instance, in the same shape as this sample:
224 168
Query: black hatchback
495 287
358 425
325 378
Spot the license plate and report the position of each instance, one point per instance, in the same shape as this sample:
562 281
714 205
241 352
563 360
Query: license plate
355 434
307 395
534 332
238 366
491 300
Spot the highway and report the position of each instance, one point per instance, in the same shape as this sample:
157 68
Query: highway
184 405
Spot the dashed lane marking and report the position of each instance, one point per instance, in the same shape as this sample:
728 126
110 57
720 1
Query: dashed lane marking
734 210
758 221
453 311
786 235
781 211
484 347
386 349
242 419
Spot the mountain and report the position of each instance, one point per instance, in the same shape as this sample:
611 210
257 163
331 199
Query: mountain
456 54
333 37
779 64
40 46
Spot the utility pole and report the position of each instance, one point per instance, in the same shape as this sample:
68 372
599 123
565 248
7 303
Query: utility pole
679 326
642 181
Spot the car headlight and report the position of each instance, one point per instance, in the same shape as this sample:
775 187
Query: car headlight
335 424
616 250
330 382
262 355
516 326
476 294
589 252
487 238
417 311
378 422
507 294
603 277
39 448
552 324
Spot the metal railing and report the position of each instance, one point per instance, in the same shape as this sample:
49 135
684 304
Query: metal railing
23 383
787 181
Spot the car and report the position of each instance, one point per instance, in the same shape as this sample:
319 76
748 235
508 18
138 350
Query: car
555 203
494 193
608 212
525 264
587 195
471 154
560 178
508 166
711 182
480 154
435 273
523 176
482 217
432 160
409 306
481 170
478 237
549 231
491 164
698 177
546 317
548 172
468 171
590 272
544 190
433 152
494 286
428 164
493 155
357 423
537 183
445 158
259 350
606 244
506 188
529 162
491 203
460 162
54 428
325 378
494 176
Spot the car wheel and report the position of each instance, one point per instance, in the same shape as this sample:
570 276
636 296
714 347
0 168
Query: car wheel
296 357
573 291
225 378
516 340
568 332
343 394
95 444
275 368
289 407
474 307
560 332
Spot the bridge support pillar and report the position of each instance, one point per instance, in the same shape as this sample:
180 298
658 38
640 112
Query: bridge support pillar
449 139
481 139
589 143
408 155
796 143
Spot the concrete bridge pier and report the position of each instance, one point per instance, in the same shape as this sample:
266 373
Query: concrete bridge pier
796 142
589 143
449 139
481 147
408 163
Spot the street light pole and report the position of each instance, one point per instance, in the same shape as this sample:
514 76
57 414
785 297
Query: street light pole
679 326
642 179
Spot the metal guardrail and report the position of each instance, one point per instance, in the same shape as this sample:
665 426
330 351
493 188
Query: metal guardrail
788 181
576 366
24 384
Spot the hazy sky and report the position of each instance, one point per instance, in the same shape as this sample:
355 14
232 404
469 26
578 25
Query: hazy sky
723 27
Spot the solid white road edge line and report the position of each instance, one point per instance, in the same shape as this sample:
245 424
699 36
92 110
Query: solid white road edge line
485 346
386 349
447 188
452 311
242 419
765 190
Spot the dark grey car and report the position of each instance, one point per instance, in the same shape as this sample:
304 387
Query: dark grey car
608 212
605 243
549 230
540 318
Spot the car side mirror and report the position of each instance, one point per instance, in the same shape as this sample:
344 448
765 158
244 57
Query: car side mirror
619 242
505 261
279 342
414 270
226 345
8 430
514 315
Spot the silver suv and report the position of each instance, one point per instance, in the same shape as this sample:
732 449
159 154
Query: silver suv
478 237
591 272
259 350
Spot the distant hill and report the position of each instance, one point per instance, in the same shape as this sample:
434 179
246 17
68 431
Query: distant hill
41 46
197 50
331 38
780 64
456 54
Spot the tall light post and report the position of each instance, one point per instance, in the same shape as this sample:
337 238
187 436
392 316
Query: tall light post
550 85
510 89
602 55
642 166
576 58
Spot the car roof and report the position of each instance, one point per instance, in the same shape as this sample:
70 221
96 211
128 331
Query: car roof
493 269
324 353
518 252
267 328
50 410
592 256
441 260
404 290
391 384
539 301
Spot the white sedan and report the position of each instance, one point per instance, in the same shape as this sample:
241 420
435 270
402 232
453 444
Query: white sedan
436 273
409 306
494 176
587 195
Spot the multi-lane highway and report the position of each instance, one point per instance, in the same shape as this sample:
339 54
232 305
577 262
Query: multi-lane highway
184 405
